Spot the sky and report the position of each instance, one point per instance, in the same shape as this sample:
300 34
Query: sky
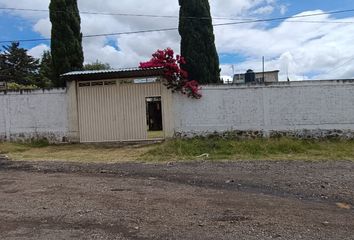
320 48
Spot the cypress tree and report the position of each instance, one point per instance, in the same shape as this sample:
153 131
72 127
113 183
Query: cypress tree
198 41
66 43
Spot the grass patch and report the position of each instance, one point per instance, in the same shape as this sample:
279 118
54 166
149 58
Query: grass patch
185 150
270 149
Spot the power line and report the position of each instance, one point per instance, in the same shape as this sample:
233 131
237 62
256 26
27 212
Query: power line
215 25
128 33
150 31
173 16
336 68
272 20
283 18
173 29
27 40
96 35
334 22
118 14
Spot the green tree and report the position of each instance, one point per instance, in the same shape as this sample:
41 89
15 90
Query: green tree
46 72
2 67
97 66
17 66
66 43
198 41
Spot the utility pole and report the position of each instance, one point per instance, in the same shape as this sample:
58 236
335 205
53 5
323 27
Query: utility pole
233 73
263 68
233 69
287 72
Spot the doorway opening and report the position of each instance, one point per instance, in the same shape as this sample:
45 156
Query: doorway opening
154 118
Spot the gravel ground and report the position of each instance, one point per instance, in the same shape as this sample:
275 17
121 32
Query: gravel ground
204 200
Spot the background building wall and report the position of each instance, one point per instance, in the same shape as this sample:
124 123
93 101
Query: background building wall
268 77
303 109
34 114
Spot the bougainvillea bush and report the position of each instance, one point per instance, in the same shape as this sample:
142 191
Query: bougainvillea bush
177 78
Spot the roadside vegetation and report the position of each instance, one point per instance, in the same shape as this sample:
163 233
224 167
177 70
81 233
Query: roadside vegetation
214 149
256 149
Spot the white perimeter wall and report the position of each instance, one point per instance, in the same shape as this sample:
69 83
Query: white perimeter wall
33 114
318 106
315 105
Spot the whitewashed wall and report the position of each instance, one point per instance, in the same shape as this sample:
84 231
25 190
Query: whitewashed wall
303 109
317 108
34 114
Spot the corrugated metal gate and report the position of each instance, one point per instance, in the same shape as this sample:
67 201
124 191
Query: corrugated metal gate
114 111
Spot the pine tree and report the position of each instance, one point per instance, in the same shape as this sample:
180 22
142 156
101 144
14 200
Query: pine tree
198 41
17 66
66 43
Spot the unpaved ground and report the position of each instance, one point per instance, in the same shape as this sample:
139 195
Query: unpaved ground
242 200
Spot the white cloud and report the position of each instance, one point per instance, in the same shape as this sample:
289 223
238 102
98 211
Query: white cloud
235 8
37 51
27 4
296 48
43 26
264 10
311 49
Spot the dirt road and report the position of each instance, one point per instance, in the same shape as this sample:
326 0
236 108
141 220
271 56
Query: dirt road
242 200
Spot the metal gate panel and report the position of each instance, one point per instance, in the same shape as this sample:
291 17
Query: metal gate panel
114 112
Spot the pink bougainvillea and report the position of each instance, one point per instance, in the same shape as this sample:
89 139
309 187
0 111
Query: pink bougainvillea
177 78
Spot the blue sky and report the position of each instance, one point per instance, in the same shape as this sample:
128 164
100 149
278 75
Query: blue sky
241 46
15 27
293 8
326 5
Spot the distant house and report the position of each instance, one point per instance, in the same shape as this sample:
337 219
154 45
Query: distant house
269 77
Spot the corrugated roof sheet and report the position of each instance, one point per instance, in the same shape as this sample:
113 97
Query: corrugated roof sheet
112 73
76 73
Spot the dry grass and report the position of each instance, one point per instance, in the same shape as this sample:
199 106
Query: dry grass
185 150
73 152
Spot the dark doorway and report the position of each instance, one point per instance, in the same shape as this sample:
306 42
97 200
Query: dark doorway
154 117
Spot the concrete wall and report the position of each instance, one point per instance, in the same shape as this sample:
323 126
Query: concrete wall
73 133
34 114
313 109
302 109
